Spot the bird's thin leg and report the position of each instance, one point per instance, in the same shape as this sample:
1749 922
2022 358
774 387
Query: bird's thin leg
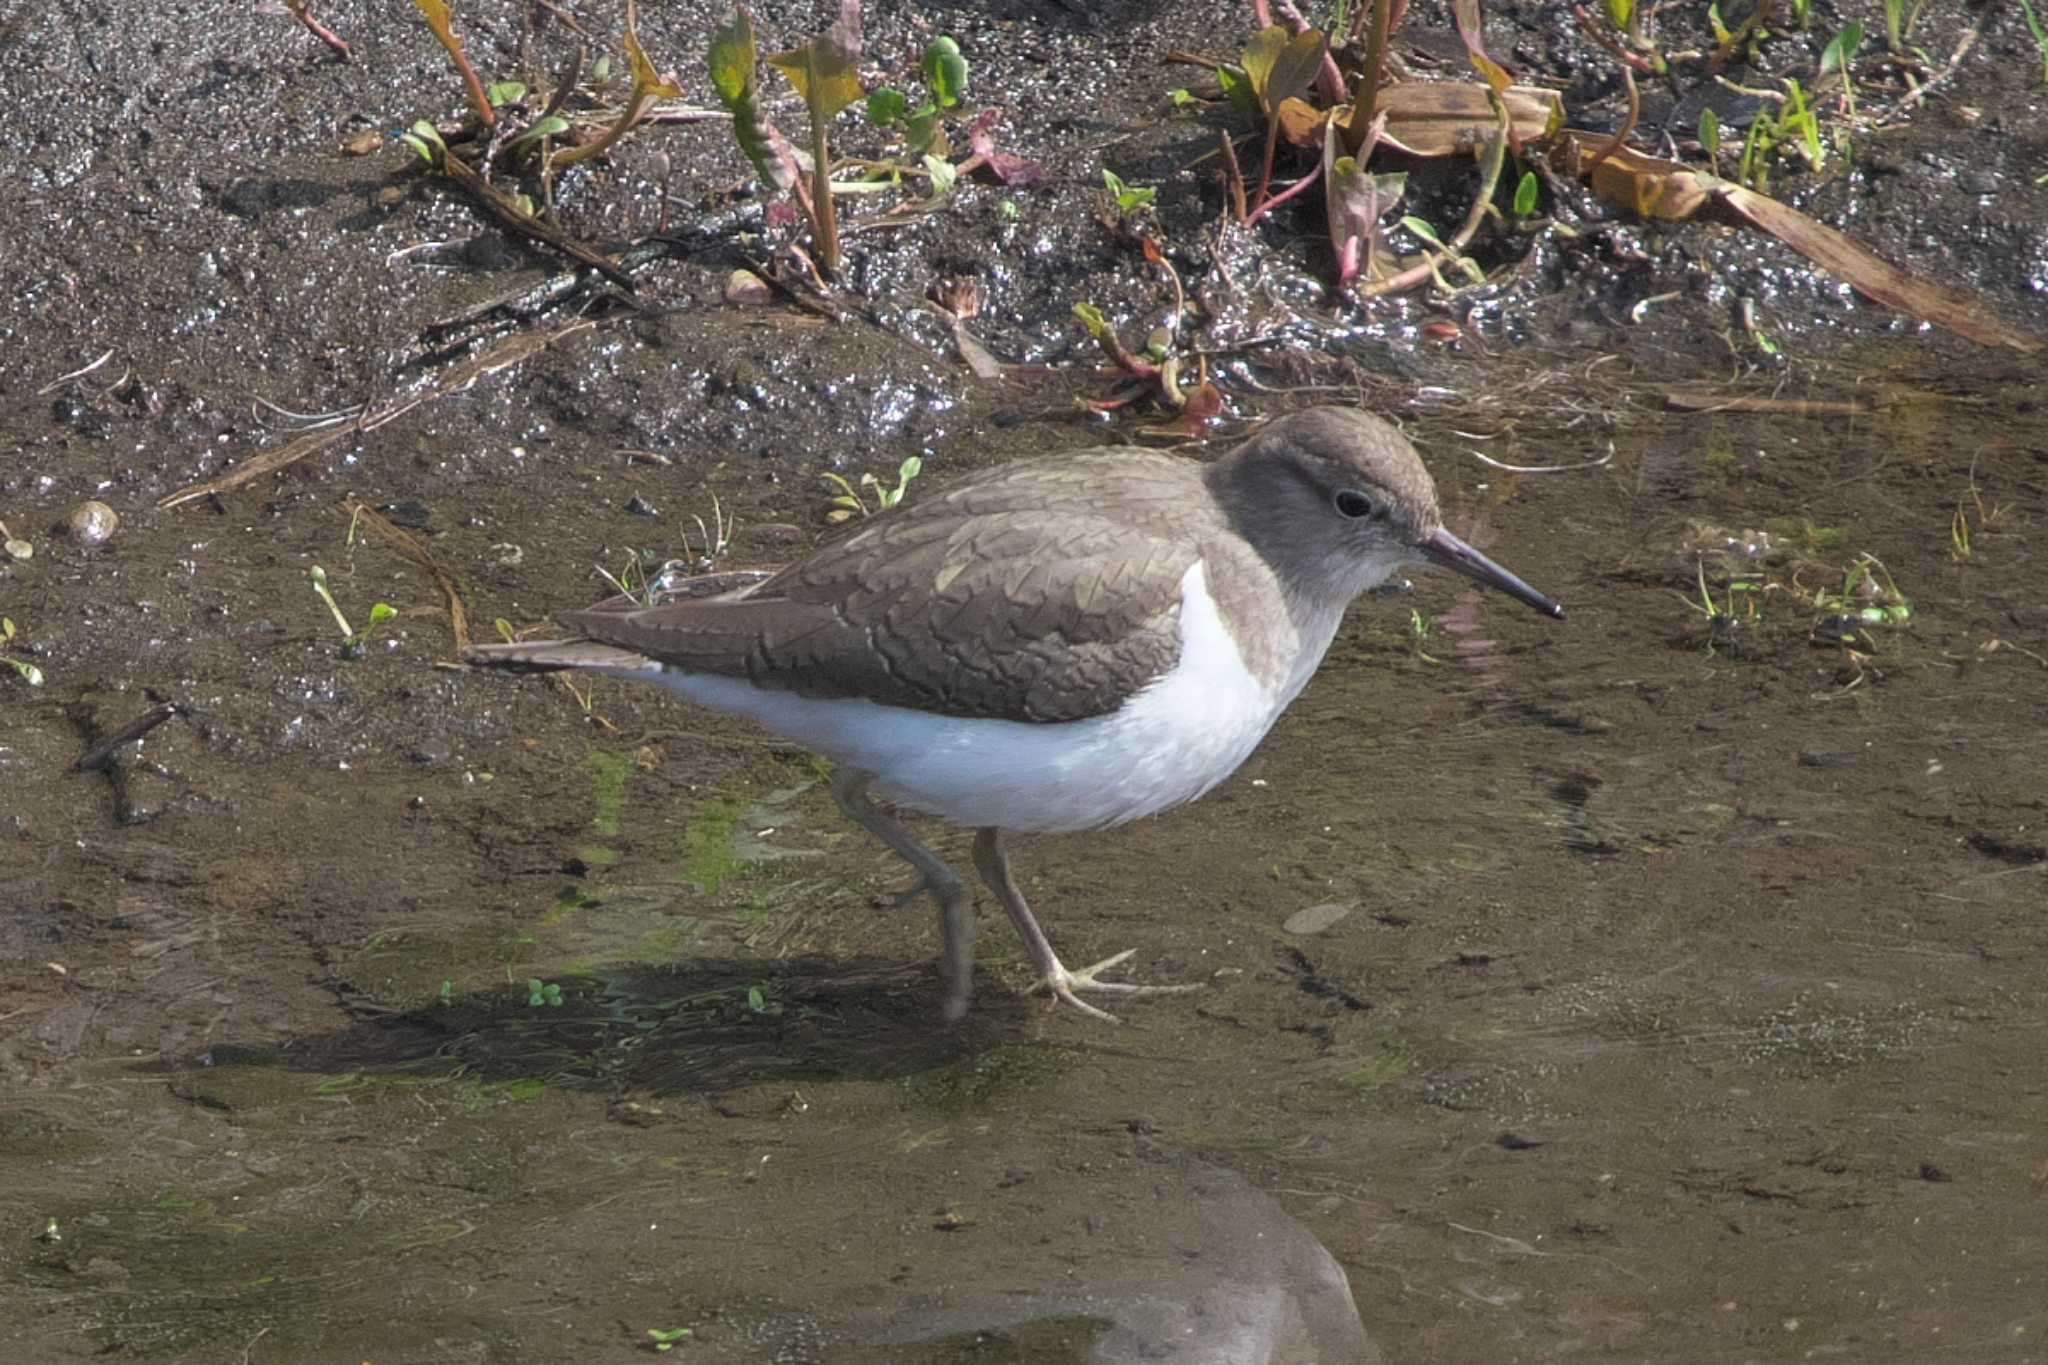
956 923
994 866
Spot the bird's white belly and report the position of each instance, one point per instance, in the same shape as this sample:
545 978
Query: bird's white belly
1178 737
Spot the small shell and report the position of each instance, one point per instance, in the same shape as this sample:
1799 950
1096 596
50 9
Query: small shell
92 523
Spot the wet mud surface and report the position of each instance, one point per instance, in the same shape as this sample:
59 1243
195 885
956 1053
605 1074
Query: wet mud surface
1661 984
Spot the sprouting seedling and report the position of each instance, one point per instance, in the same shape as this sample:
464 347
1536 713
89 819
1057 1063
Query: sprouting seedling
630 581
1869 594
320 587
1796 117
1527 192
1899 18
718 535
423 137
353 640
850 503
16 547
648 86
1710 136
30 674
540 992
1740 607
905 472
1419 627
945 77
664 1339
945 71
1429 238
1837 55
1129 199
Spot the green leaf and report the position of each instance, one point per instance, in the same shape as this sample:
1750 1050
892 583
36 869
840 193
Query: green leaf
1237 88
732 57
552 126
424 138
921 128
1710 133
1091 318
1281 67
504 93
1424 231
1840 49
1129 198
1526 190
887 106
945 71
942 172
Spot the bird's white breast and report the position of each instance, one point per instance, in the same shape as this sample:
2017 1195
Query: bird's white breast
1176 738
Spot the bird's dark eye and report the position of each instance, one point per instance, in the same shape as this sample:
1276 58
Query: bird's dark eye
1353 503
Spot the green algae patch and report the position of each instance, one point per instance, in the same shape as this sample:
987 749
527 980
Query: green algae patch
566 904
609 774
705 848
1377 1068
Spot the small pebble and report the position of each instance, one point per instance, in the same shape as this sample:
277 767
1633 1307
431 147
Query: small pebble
92 523
1316 918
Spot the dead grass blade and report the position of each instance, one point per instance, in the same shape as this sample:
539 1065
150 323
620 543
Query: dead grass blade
1655 188
415 549
509 353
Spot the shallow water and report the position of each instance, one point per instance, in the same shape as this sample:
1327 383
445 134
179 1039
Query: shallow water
1673 990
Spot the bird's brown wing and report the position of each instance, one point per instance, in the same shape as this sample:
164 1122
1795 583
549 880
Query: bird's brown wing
981 603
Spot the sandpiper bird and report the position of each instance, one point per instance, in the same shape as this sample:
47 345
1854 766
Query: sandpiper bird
1062 643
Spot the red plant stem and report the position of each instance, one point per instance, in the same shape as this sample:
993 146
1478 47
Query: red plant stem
303 12
1266 170
1277 200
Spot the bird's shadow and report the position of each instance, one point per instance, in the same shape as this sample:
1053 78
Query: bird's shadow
699 1027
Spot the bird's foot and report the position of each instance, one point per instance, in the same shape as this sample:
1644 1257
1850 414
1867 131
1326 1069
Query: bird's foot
1063 983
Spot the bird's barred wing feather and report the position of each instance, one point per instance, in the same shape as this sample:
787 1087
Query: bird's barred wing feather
1029 613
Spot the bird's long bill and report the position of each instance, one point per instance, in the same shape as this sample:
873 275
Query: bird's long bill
1446 549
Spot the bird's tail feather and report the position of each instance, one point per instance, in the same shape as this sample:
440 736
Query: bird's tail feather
554 656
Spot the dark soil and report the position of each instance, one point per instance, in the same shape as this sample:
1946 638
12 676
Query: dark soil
1687 1002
